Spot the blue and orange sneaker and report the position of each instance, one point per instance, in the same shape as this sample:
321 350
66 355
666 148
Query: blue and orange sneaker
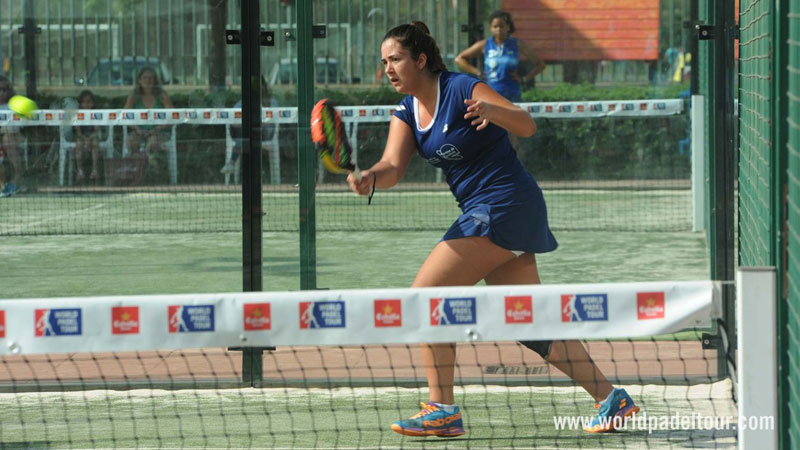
431 421
618 406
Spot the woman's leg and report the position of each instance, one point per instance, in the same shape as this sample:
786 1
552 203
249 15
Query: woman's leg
457 262
134 141
154 143
569 357
94 150
79 144
11 139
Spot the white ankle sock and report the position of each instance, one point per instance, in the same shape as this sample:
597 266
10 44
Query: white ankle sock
449 409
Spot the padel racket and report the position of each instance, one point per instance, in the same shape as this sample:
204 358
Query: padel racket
335 151
330 138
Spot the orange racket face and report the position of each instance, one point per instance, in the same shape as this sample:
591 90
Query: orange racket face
328 134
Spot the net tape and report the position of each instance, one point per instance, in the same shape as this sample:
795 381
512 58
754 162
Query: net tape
356 317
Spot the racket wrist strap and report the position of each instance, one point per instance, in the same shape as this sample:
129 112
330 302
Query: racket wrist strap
372 192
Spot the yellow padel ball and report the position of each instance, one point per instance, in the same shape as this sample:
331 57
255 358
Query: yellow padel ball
22 105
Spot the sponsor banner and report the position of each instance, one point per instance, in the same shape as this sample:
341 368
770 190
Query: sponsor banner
388 313
584 307
57 322
190 318
519 309
125 320
650 305
356 317
323 314
452 311
355 114
257 316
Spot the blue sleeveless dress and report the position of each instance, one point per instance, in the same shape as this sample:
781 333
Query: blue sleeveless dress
500 61
497 196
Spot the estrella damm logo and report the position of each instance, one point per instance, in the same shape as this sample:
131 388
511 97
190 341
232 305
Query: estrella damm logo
57 322
452 311
125 320
388 313
519 309
190 318
584 307
650 305
257 316
2 323
325 314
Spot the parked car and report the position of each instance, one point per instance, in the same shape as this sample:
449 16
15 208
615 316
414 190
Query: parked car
123 71
326 70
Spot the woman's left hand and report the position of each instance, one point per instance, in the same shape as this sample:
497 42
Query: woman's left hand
479 111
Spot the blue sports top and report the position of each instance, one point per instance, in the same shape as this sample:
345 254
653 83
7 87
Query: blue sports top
497 196
480 166
500 61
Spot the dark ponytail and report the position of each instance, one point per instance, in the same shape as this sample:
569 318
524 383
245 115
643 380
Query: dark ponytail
416 37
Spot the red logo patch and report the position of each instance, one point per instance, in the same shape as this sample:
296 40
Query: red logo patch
2 323
125 320
257 316
519 309
650 305
388 313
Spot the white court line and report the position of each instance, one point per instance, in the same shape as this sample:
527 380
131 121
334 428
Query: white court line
55 218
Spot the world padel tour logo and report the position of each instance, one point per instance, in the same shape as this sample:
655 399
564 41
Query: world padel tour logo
519 309
257 316
327 314
57 322
125 320
452 311
388 313
583 307
650 305
190 318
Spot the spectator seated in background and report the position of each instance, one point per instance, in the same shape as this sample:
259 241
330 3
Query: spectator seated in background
147 94
11 166
86 140
267 130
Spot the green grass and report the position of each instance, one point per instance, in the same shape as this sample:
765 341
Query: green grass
496 417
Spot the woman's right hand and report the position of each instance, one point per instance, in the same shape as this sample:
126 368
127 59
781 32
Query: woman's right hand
362 186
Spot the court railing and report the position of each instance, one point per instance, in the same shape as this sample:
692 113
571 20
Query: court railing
352 116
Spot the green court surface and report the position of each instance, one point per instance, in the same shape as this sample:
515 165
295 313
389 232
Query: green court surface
91 265
181 239
217 209
507 417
